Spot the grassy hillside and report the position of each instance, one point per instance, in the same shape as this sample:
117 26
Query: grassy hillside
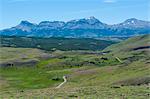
130 45
9 53
56 60
121 71
21 56
83 82
52 44
133 49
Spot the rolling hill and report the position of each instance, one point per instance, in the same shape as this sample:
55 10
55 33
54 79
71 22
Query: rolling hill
89 74
136 45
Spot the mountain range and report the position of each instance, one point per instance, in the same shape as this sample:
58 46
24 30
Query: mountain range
81 28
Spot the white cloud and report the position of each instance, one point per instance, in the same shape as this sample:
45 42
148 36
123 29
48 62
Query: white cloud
110 1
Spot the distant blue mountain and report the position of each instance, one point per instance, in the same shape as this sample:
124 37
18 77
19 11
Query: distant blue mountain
81 28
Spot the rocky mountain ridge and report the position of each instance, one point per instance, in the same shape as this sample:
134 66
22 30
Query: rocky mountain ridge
86 28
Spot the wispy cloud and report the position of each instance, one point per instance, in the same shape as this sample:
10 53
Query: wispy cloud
110 1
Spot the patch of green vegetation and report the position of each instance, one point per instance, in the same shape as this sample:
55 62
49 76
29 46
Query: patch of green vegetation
66 60
30 78
43 63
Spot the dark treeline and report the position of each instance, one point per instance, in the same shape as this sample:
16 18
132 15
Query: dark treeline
53 43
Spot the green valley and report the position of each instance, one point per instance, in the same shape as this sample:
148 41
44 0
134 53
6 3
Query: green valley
119 71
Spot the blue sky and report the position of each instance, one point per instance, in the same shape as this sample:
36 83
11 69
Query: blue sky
107 11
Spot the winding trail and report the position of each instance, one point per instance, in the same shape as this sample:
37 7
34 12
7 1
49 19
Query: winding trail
119 59
65 80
